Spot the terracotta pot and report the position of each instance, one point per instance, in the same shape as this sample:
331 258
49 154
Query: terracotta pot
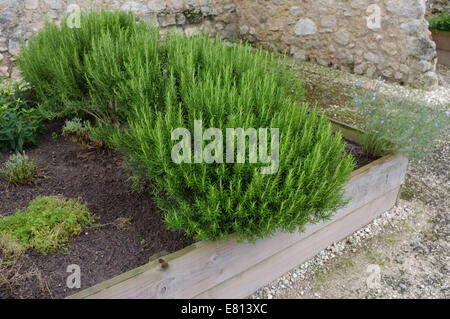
442 39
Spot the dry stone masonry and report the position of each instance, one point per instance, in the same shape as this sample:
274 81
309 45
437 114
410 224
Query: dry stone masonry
387 38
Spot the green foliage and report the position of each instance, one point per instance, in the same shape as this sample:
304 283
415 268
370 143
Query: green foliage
20 122
141 87
75 129
440 22
230 88
53 60
80 132
16 95
403 124
19 169
47 224
18 128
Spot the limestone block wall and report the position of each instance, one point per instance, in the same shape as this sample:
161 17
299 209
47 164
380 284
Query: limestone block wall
19 19
387 38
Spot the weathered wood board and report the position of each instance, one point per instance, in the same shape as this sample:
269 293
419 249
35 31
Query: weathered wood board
442 39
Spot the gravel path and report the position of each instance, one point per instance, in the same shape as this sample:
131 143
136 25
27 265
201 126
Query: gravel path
405 252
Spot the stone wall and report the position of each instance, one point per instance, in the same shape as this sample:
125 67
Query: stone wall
388 38
438 6
19 19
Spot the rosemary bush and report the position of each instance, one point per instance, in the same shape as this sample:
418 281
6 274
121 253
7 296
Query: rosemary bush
440 22
234 88
54 59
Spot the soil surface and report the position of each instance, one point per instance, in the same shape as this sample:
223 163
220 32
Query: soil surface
361 157
128 229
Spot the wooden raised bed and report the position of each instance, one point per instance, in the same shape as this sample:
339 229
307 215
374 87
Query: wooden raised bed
227 269
442 39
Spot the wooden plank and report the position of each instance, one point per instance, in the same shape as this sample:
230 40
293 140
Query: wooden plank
351 133
204 265
442 39
443 57
247 282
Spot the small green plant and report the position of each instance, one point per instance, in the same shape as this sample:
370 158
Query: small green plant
395 124
80 132
55 135
19 120
46 224
76 129
19 169
18 128
440 22
17 95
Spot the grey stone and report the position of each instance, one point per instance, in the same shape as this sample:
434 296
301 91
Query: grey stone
9 3
14 46
429 79
422 48
176 5
328 21
422 66
8 17
31 4
360 68
53 4
342 37
389 47
3 45
243 30
406 8
345 56
180 18
134 7
295 11
305 27
298 54
166 20
4 71
156 5
412 26
374 58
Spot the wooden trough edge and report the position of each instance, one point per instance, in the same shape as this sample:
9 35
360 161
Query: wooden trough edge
227 269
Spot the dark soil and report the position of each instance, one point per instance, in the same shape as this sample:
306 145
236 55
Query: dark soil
361 157
128 229
108 248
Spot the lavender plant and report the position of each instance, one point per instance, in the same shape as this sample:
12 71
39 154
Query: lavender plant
399 124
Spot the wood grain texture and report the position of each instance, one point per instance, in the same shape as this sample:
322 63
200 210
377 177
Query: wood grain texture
217 269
